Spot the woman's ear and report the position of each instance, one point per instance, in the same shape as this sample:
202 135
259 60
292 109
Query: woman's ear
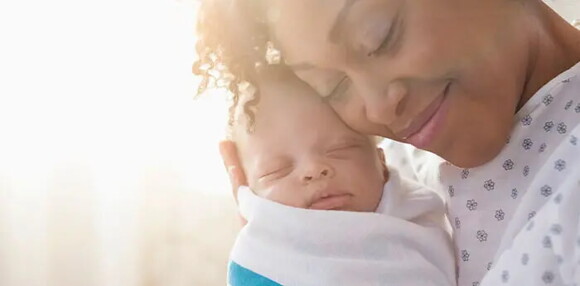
383 161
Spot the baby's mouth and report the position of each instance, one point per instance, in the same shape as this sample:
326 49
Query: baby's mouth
331 202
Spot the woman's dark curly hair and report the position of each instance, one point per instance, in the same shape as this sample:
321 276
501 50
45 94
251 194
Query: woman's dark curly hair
232 46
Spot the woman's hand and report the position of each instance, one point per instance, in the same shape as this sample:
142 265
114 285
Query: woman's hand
229 154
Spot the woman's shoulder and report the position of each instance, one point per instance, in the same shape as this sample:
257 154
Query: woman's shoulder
547 240
566 85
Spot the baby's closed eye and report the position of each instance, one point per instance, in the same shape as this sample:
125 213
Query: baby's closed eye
275 171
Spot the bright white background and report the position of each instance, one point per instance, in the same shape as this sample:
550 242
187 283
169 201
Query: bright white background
109 170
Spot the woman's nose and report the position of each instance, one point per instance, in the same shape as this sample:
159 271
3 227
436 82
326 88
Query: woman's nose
384 106
317 171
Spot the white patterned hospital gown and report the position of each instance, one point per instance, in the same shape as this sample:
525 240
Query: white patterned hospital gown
516 218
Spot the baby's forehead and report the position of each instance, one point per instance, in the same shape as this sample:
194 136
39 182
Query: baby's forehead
276 82
277 90
274 92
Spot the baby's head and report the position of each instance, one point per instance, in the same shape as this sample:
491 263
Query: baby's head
296 151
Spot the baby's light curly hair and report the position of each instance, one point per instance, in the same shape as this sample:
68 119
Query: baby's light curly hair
232 46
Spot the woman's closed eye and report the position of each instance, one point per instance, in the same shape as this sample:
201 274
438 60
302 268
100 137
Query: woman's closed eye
390 39
389 43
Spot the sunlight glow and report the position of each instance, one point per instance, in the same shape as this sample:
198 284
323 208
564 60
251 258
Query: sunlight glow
103 147
110 89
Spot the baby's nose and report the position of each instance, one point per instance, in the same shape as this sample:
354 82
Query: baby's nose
323 173
318 172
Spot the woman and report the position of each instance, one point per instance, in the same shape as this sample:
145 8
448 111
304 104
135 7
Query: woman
459 78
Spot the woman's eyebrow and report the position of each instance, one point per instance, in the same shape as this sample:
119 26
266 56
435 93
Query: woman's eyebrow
337 29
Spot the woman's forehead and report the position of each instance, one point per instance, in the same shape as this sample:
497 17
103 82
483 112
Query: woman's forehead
302 29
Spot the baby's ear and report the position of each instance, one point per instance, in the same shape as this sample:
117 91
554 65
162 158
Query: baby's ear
383 161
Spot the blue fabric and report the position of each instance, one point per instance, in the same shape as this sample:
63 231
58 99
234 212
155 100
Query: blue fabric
241 276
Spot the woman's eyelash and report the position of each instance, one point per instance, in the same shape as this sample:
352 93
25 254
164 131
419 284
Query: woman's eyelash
389 38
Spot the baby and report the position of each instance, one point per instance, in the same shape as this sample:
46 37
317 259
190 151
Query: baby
321 206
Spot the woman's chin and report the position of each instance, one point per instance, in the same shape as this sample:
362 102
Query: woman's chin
472 155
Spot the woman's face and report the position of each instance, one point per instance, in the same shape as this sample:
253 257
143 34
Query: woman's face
443 75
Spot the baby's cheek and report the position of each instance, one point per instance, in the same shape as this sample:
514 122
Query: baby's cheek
372 179
371 166
284 194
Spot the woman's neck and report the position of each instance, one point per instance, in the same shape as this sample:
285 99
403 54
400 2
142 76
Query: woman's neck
555 47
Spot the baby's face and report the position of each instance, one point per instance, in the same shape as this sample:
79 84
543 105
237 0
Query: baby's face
301 154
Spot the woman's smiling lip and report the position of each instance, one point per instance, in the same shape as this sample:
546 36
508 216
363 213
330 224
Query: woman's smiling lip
422 132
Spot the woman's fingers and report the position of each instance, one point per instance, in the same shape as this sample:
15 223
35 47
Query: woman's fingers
382 157
229 154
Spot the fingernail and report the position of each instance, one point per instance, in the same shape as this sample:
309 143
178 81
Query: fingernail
231 170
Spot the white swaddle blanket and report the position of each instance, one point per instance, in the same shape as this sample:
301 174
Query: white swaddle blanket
403 243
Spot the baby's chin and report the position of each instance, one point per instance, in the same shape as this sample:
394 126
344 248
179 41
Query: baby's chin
338 203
